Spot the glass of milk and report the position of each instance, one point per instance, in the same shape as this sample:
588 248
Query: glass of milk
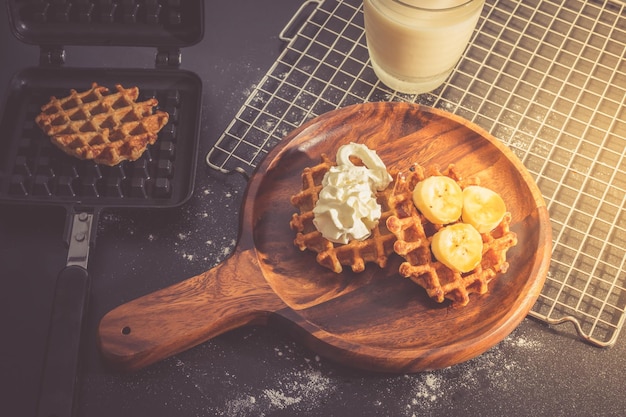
415 44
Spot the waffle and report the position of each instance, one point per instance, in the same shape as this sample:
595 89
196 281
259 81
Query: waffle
414 233
106 128
375 249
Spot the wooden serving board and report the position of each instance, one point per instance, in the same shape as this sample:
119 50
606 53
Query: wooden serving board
374 320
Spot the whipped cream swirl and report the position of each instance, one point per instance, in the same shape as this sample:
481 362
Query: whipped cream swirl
347 208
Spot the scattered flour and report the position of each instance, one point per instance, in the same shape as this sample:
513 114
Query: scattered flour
447 106
429 390
116 222
183 230
240 407
297 391
279 400
525 343
213 251
301 391
493 370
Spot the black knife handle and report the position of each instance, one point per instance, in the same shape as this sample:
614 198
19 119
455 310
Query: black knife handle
60 372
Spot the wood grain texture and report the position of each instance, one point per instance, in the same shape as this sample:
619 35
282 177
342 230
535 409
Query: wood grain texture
374 320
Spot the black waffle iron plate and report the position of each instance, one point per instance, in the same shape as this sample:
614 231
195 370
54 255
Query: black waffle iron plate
33 171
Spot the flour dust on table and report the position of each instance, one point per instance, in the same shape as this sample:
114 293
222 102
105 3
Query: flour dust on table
310 384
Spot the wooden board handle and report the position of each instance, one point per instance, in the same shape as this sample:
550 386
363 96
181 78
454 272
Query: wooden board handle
176 318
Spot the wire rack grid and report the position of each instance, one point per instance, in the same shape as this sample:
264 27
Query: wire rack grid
546 77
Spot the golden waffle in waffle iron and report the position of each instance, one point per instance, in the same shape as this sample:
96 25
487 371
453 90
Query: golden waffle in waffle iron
414 234
107 128
375 249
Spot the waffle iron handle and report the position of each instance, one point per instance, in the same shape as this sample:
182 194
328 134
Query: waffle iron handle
69 306
59 381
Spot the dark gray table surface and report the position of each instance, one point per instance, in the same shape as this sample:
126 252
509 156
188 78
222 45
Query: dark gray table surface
254 371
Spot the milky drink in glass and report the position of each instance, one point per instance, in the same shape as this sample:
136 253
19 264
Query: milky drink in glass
415 44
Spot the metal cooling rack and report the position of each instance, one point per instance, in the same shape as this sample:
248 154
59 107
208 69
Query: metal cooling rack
547 77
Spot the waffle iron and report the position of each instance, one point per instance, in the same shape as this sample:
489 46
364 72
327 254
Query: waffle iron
34 172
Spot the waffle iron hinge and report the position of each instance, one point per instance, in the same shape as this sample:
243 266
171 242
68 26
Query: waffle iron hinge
79 239
168 58
80 234
51 55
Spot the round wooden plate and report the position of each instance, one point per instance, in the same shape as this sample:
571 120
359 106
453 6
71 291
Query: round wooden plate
374 320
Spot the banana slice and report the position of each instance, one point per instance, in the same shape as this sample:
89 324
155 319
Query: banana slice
458 246
439 198
482 208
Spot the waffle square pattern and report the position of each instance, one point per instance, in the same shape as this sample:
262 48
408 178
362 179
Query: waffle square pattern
414 235
375 249
105 127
